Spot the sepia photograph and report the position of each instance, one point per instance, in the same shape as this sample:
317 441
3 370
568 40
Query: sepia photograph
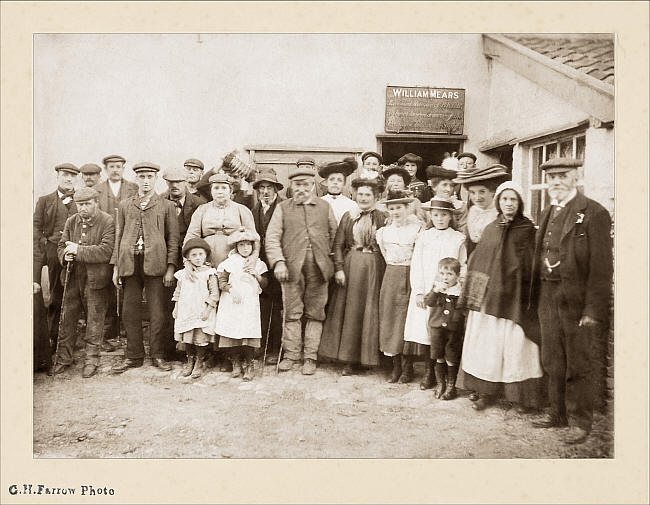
328 252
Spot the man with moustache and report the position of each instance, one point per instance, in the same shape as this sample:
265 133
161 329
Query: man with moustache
194 170
185 203
145 257
50 215
298 246
335 174
90 173
571 285
86 245
267 186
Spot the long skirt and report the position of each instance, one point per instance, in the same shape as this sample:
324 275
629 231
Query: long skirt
393 305
351 329
498 359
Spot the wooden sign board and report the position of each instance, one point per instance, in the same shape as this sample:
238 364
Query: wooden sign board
425 110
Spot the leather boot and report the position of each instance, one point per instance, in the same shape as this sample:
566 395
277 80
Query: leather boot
397 369
441 379
407 370
248 370
429 378
450 391
237 371
199 365
191 359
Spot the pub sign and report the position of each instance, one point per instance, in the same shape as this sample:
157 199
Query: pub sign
424 109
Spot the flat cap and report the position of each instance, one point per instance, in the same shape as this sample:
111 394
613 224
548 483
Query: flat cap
306 160
85 194
175 175
113 157
560 165
90 168
146 166
67 167
193 162
301 172
220 177
467 155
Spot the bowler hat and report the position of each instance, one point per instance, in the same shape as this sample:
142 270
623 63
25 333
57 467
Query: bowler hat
146 166
67 167
410 157
467 155
243 235
90 168
192 162
306 160
439 204
267 176
345 167
175 175
85 194
194 243
560 165
436 171
113 157
394 169
373 154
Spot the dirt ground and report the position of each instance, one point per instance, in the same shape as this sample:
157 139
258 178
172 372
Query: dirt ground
147 413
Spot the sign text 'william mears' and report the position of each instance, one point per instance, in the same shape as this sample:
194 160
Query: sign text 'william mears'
425 93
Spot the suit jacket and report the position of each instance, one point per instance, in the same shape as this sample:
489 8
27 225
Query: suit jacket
127 190
160 233
43 227
293 227
262 221
586 258
98 252
191 203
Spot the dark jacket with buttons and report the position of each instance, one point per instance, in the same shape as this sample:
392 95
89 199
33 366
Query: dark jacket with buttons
443 312
191 203
96 238
159 230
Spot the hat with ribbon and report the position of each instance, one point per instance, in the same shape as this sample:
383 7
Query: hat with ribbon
345 167
495 171
439 203
398 197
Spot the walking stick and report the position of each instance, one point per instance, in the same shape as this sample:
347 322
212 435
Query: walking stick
68 267
268 331
284 311
117 289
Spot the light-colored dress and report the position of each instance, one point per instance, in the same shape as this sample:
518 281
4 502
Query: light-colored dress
340 205
478 219
191 298
431 246
240 321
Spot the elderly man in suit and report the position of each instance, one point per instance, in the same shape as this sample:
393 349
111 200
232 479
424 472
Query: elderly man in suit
298 246
86 247
267 186
571 284
50 215
145 257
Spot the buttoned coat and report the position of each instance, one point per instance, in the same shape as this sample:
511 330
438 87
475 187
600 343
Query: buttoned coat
586 258
99 249
293 227
191 203
127 190
262 221
160 233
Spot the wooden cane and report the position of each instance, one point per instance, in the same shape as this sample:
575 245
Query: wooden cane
268 331
117 289
284 311
68 267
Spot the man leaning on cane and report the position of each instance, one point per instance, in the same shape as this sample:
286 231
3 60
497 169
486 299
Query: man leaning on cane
87 241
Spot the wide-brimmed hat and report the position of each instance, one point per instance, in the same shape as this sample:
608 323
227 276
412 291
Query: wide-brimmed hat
439 203
243 235
372 154
399 196
557 165
495 171
410 157
345 167
267 176
195 243
395 169
436 171
67 167
85 194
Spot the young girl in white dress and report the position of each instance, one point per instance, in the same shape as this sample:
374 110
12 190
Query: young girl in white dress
241 280
196 300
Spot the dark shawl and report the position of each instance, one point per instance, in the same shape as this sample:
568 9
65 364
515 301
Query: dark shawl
499 272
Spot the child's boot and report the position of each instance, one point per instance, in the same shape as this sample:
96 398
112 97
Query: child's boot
397 369
450 391
429 378
237 371
191 359
441 376
248 366
199 365
407 370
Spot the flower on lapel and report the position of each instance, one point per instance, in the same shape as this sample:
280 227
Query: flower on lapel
581 218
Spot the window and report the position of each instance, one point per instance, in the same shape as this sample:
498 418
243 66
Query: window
572 146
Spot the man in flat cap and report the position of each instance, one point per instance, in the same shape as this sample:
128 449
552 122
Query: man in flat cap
466 161
194 170
86 245
50 215
267 186
305 162
334 175
145 258
298 246
90 173
185 203
571 285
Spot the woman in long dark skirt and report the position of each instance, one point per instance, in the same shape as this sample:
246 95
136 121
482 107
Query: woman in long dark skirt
351 330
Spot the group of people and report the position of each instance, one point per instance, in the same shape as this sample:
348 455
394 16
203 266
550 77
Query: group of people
406 270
